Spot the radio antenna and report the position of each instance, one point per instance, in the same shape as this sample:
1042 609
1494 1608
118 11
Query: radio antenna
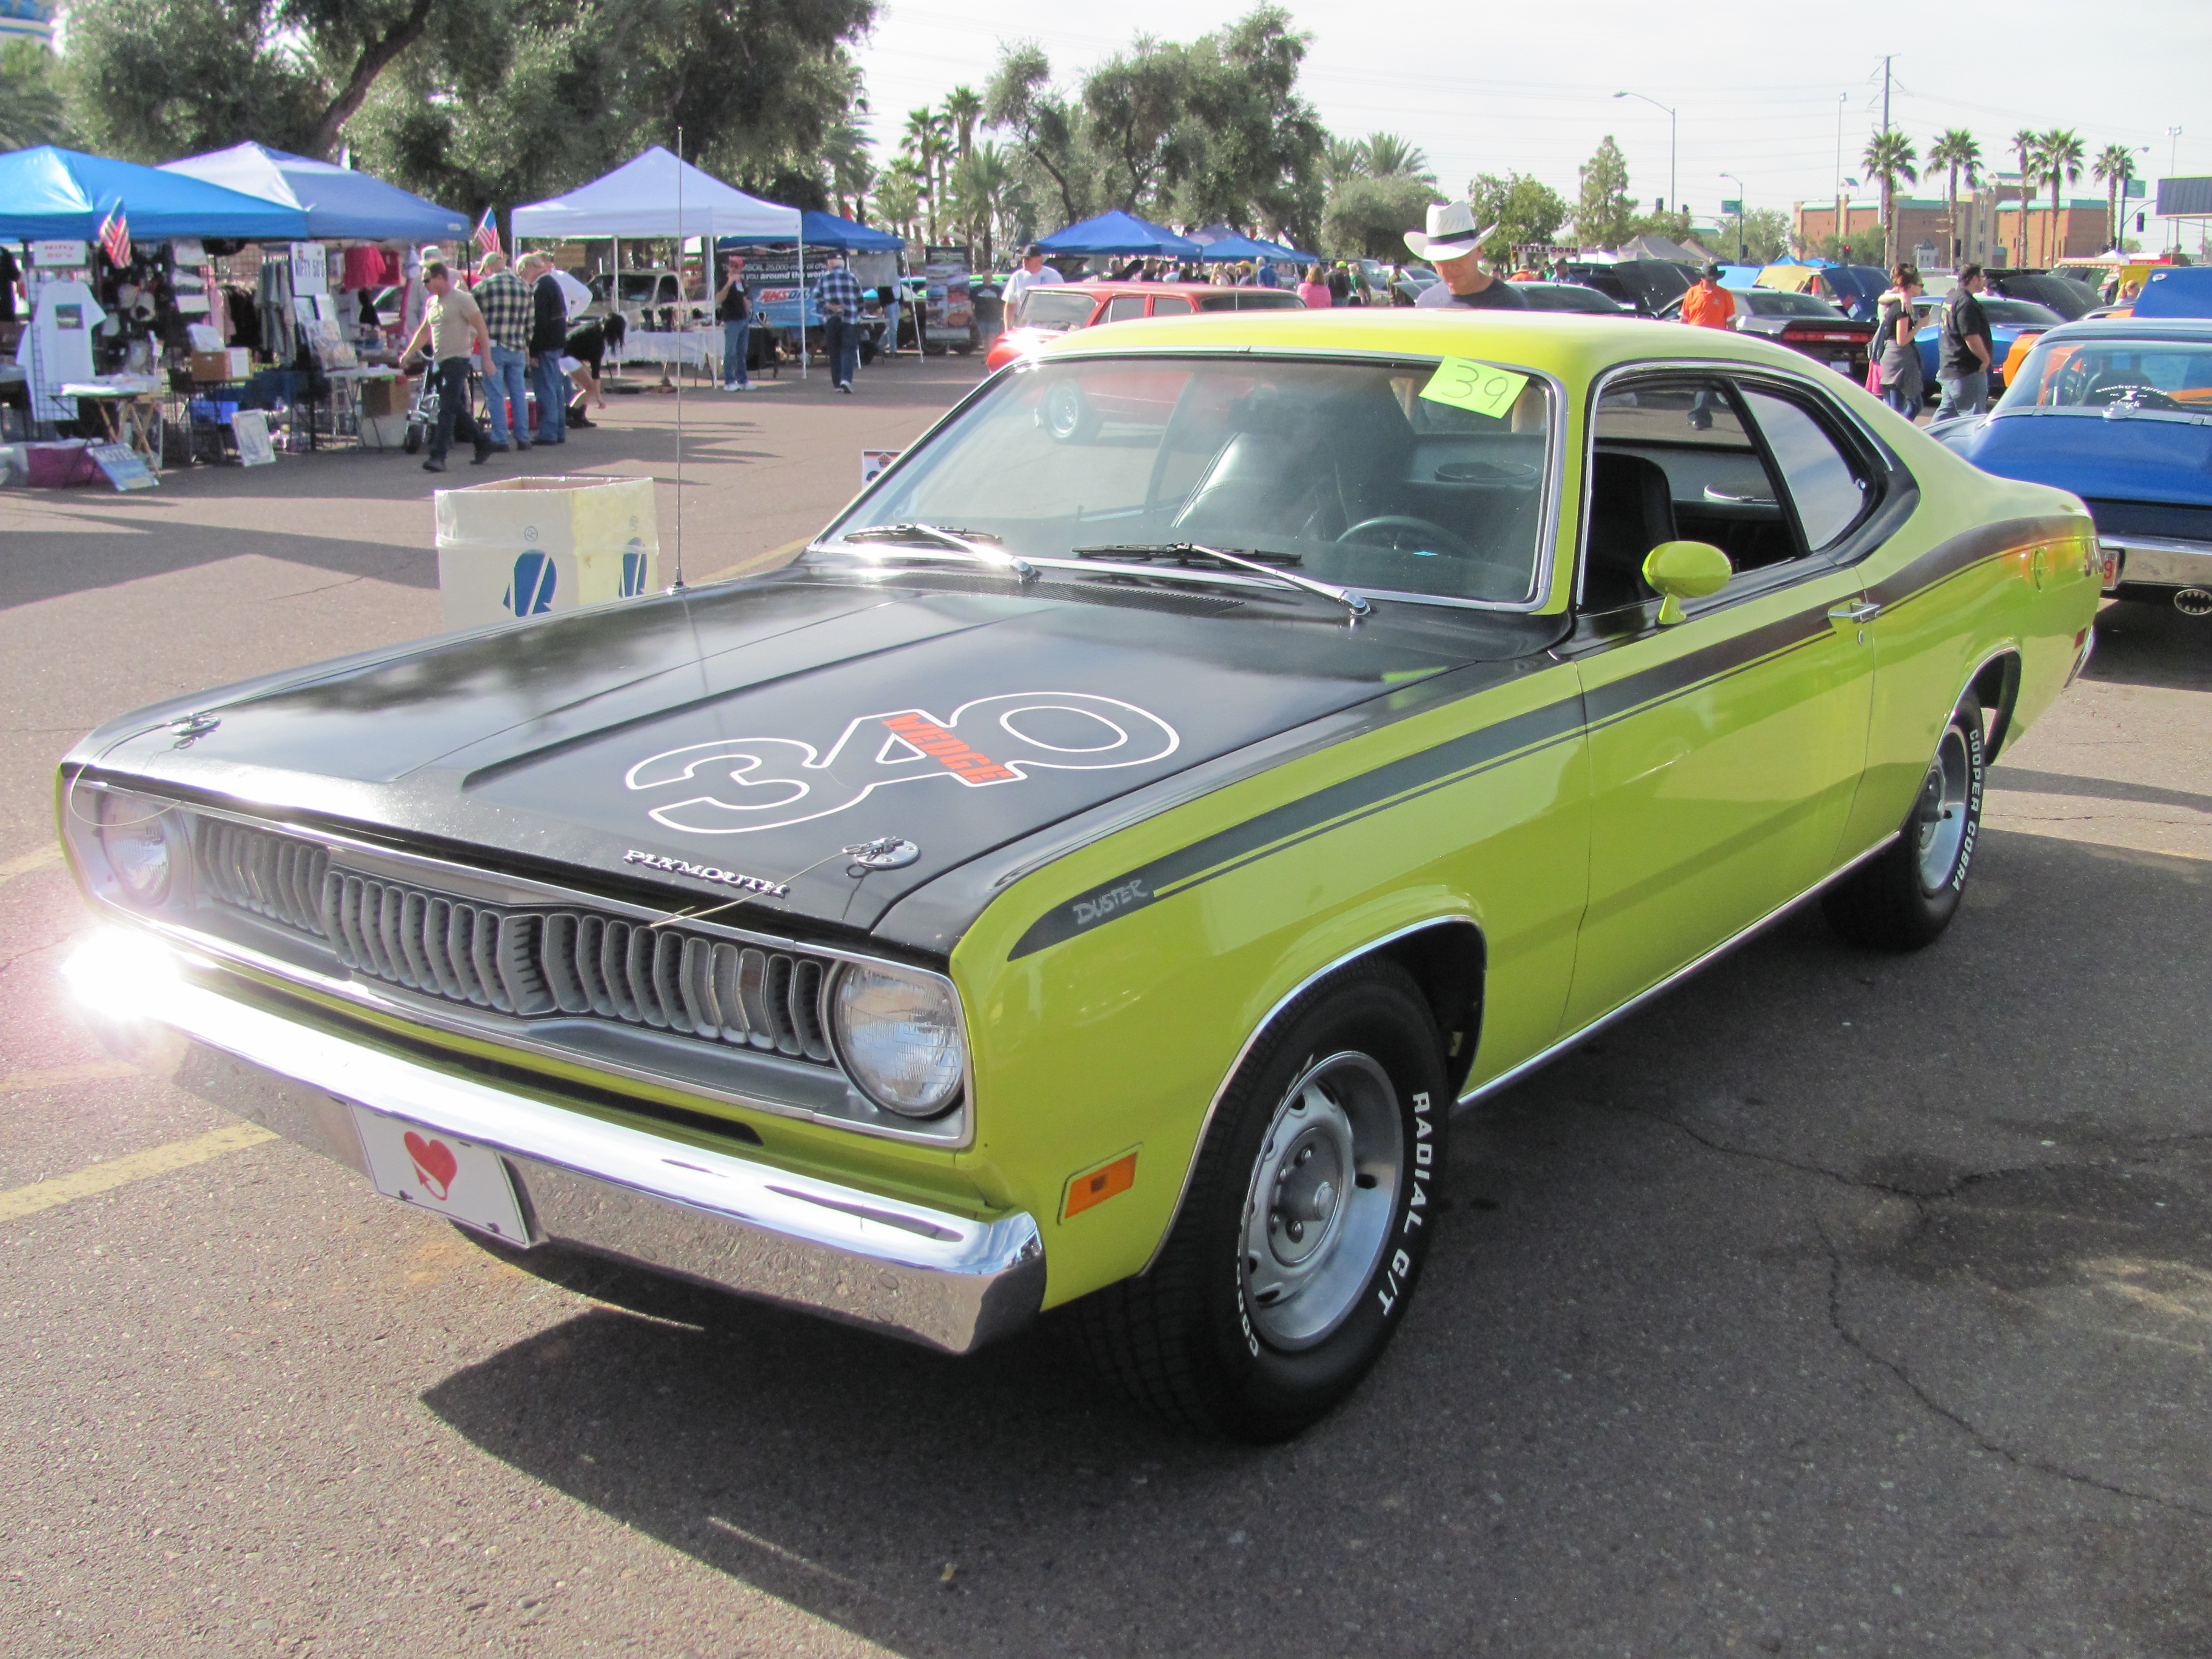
683 307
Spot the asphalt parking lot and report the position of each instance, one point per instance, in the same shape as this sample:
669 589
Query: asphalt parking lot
1835 1304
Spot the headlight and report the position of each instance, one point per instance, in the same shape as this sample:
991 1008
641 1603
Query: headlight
135 834
899 1038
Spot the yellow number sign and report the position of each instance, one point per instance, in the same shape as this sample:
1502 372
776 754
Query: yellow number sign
1483 387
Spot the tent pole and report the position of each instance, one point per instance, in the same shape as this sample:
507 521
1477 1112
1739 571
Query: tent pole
678 338
800 241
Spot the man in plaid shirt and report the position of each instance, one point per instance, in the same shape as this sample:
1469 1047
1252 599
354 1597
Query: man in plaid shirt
505 306
838 297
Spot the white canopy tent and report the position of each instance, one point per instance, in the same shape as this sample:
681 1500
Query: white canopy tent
655 196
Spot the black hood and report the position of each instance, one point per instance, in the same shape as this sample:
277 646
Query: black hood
757 728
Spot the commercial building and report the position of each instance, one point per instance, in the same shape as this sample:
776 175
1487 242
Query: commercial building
1989 225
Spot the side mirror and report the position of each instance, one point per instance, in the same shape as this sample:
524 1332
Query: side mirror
1685 570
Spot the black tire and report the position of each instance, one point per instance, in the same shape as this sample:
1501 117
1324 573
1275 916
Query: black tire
1903 898
1191 1339
414 437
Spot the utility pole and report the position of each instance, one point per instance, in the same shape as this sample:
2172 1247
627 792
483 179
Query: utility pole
1889 196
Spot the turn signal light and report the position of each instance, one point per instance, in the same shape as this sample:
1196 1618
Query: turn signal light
1094 1186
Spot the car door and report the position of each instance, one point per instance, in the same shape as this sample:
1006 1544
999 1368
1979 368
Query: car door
1725 750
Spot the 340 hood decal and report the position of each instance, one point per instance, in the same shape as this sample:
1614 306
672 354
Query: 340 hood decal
988 741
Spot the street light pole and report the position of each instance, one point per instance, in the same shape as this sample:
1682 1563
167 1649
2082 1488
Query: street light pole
1671 151
1738 182
1842 99
2172 157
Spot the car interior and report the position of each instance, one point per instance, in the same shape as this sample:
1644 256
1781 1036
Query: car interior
1755 472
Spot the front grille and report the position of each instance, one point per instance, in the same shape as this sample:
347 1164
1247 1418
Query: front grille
271 876
576 962
522 962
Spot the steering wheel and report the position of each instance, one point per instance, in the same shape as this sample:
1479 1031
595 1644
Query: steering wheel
1442 540
2131 391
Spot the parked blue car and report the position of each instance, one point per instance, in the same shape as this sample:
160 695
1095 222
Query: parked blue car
2119 411
2008 321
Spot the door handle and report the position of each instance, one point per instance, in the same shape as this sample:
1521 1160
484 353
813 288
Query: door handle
1863 611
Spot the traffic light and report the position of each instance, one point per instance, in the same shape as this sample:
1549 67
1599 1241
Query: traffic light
1659 205
2139 222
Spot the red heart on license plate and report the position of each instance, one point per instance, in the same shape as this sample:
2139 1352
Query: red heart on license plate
435 1162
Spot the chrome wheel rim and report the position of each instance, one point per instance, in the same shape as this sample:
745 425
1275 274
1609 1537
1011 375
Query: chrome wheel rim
1323 1189
1063 410
1942 815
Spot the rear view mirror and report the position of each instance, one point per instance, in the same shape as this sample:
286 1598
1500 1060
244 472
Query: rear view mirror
1685 570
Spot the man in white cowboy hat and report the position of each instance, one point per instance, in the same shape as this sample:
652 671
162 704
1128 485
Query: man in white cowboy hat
1452 244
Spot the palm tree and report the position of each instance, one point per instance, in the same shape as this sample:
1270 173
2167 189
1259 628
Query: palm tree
2058 154
1890 156
982 184
2115 166
1342 159
1389 156
898 197
2024 144
851 171
925 141
31 109
1956 151
964 106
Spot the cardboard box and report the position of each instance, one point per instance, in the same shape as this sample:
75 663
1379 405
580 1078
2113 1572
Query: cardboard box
392 397
232 363
522 547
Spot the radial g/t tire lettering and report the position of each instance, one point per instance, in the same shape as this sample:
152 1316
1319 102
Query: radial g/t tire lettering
1904 897
1308 1218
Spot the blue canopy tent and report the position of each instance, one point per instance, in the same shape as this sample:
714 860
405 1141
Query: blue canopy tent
340 204
1290 254
1222 249
1117 232
48 192
823 230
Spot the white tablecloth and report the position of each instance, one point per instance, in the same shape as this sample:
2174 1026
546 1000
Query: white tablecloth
698 348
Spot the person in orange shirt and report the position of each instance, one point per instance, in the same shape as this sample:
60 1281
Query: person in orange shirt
1708 304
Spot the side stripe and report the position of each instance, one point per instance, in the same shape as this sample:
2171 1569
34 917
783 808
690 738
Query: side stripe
1461 758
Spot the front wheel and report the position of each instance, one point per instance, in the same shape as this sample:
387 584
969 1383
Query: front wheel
1903 898
1305 1224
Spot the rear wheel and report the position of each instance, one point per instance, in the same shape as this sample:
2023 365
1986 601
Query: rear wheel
1904 897
1305 1224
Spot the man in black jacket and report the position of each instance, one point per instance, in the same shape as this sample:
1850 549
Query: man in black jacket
549 342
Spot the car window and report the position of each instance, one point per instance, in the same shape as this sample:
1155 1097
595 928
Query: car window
1767 302
2149 376
1343 464
1823 484
1122 307
1672 459
1170 305
1042 308
2019 311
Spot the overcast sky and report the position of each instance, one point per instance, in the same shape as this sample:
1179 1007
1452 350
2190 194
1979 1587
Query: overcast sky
1491 88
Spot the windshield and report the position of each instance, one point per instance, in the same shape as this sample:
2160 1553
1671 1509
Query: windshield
1766 302
1343 465
2166 376
1042 308
1562 296
1250 299
2019 311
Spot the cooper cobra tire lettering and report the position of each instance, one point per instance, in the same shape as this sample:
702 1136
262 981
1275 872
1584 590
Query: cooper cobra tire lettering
985 743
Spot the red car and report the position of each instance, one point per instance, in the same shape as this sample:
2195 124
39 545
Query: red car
1065 306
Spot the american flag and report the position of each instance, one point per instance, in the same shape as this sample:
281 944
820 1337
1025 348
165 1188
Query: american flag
488 232
115 236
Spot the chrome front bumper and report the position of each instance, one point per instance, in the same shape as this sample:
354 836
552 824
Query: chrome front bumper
934 1277
2156 561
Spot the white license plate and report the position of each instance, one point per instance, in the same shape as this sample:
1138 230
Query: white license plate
1842 365
438 1172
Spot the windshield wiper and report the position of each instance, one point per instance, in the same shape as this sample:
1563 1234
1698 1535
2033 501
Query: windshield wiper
1265 564
936 538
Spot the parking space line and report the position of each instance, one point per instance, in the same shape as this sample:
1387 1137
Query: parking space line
98 1071
26 863
16 1202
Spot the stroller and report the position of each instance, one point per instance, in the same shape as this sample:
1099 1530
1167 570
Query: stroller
422 413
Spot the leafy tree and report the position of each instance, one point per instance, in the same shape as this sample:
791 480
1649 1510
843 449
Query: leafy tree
2114 166
1385 155
898 197
1367 218
1764 235
2058 160
1958 155
31 111
1523 209
1046 128
1603 211
1890 156
984 182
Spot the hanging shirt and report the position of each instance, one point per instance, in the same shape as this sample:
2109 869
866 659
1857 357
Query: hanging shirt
57 345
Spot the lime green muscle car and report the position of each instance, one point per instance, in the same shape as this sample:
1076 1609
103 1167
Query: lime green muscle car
1097 869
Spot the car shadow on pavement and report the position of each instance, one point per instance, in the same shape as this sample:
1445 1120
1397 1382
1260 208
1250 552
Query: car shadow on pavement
1840 1301
2143 644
